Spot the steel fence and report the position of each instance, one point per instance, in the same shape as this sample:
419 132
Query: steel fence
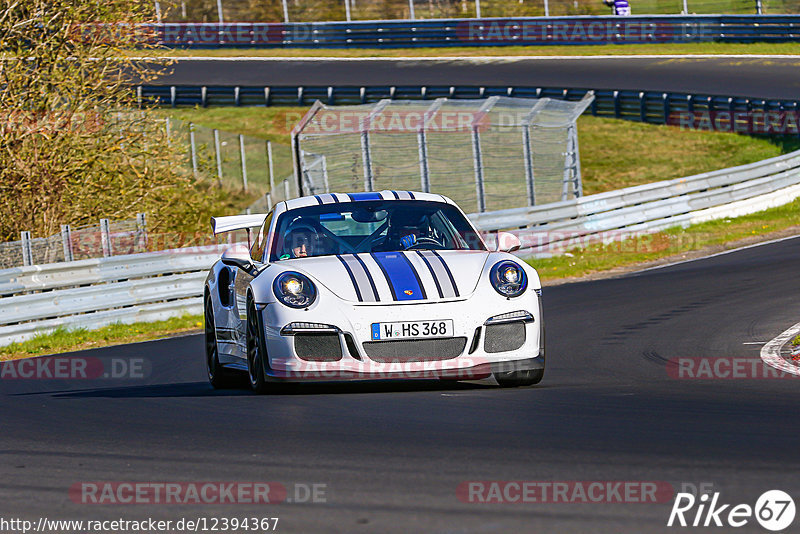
481 153
105 239
579 30
232 160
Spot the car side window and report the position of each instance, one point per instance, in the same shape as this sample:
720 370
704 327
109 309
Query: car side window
260 244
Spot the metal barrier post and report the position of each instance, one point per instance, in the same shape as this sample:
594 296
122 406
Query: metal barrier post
546 8
66 242
271 168
477 162
527 154
411 9
269 201
193 148
578 181
286 190
325 174
285 12
141 230
347 9
477 9
366 159
758 7
242 155
169 132
105 238
527 151
218 156
424 172
27 251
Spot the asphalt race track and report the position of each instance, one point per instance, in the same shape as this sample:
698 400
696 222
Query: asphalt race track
392 455
761 77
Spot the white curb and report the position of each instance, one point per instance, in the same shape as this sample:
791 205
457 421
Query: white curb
771 352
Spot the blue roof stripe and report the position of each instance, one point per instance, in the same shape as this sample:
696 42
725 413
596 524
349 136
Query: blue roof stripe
356 197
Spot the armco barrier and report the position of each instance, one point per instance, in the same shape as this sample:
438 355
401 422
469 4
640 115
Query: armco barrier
655 107
98 292
576 30
651 207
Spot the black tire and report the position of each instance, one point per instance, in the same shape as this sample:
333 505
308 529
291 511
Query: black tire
218 376
527 377
515 379
256 351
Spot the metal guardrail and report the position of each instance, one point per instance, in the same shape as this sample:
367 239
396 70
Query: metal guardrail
98 292
650 207
655 107
573 30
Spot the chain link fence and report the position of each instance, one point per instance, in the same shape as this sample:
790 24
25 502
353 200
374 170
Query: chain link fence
486 155
365 10
236 161
100 240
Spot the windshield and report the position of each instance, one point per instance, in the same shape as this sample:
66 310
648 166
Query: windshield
372 226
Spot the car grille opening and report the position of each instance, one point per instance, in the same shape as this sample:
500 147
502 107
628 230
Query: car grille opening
415 350
318 347
351 346
504 337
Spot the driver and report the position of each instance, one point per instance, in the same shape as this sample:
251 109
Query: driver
300 240
405 228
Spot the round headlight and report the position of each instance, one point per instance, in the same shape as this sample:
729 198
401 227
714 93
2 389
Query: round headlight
508 279
294 289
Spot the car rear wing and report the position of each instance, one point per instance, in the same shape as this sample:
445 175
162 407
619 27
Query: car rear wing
221 225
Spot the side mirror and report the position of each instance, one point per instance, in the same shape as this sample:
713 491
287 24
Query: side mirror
238 256
507 242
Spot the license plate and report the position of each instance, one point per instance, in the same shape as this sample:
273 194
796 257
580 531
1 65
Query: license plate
412 330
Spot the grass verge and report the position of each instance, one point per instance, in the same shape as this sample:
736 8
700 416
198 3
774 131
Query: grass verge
796 341
686 49
67 340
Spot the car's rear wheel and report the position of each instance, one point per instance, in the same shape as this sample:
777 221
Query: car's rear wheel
218 376
256 351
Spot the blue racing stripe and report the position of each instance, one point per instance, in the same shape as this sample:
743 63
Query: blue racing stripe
401 275
356 197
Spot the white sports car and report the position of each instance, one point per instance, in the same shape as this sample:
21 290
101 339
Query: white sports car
390 284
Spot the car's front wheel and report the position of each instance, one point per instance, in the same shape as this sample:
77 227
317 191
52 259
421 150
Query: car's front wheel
256 350
514 379
217 375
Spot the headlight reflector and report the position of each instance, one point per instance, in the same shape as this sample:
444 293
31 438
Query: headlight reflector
294 289
508 278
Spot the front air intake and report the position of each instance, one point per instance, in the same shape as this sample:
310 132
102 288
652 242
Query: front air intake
315 347
504 337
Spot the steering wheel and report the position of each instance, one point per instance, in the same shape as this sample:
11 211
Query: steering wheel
427 241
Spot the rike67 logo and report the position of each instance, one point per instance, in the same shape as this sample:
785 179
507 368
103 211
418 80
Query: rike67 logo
774 510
